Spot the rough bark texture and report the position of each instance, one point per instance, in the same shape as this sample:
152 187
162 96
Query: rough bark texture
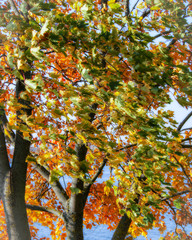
74 220
122 228
13 189
74 225
13 178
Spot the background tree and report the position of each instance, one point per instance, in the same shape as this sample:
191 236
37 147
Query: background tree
85 84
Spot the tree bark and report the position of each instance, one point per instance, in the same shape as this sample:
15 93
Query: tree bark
13 190
74 216
74 220
74 225
122 228
13 178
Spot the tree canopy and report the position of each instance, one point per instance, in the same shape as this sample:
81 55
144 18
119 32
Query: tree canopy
84 87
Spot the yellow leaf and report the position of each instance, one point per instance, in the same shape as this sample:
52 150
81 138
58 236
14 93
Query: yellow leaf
140 5
107 190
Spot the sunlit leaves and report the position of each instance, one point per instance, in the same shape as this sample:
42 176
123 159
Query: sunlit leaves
100 79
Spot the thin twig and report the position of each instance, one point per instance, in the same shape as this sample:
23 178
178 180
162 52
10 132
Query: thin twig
185 129
186 146
145 13
186 139
99 171
175 195
161 34
135 5
126 147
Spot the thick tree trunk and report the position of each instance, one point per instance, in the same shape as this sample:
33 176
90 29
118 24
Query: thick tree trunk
74 226
12 188
13 175
15 210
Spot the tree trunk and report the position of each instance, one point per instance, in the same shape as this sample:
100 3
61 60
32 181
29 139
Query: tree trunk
12 188
13 175
15 210
74 225
122 228
74 220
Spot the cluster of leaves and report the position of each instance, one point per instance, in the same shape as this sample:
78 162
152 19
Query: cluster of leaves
100 79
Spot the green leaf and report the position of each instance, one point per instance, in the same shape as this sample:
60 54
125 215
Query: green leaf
146 189
177 203
54 175
75 190
31 84
71 150
109 183
114 6
31 159
35 51
149 173
10 60
85 74
122 211
11 26
84 166
156 7
149 218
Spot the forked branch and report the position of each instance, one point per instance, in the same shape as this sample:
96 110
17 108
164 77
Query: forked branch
56 185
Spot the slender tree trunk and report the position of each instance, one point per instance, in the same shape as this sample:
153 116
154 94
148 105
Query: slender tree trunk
74 220
124 224
122 228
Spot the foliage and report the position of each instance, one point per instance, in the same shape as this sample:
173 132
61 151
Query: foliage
102 75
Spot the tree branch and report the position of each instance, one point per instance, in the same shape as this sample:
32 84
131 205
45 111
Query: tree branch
184 121
99 171
127 10
185 129
175 195
186 146
45 209
135 5
161 34
57 187
186 139
21 149
174 40
126 147
4 161
183 170
88 186
145 13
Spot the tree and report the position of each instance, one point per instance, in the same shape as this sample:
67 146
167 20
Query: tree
84 85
